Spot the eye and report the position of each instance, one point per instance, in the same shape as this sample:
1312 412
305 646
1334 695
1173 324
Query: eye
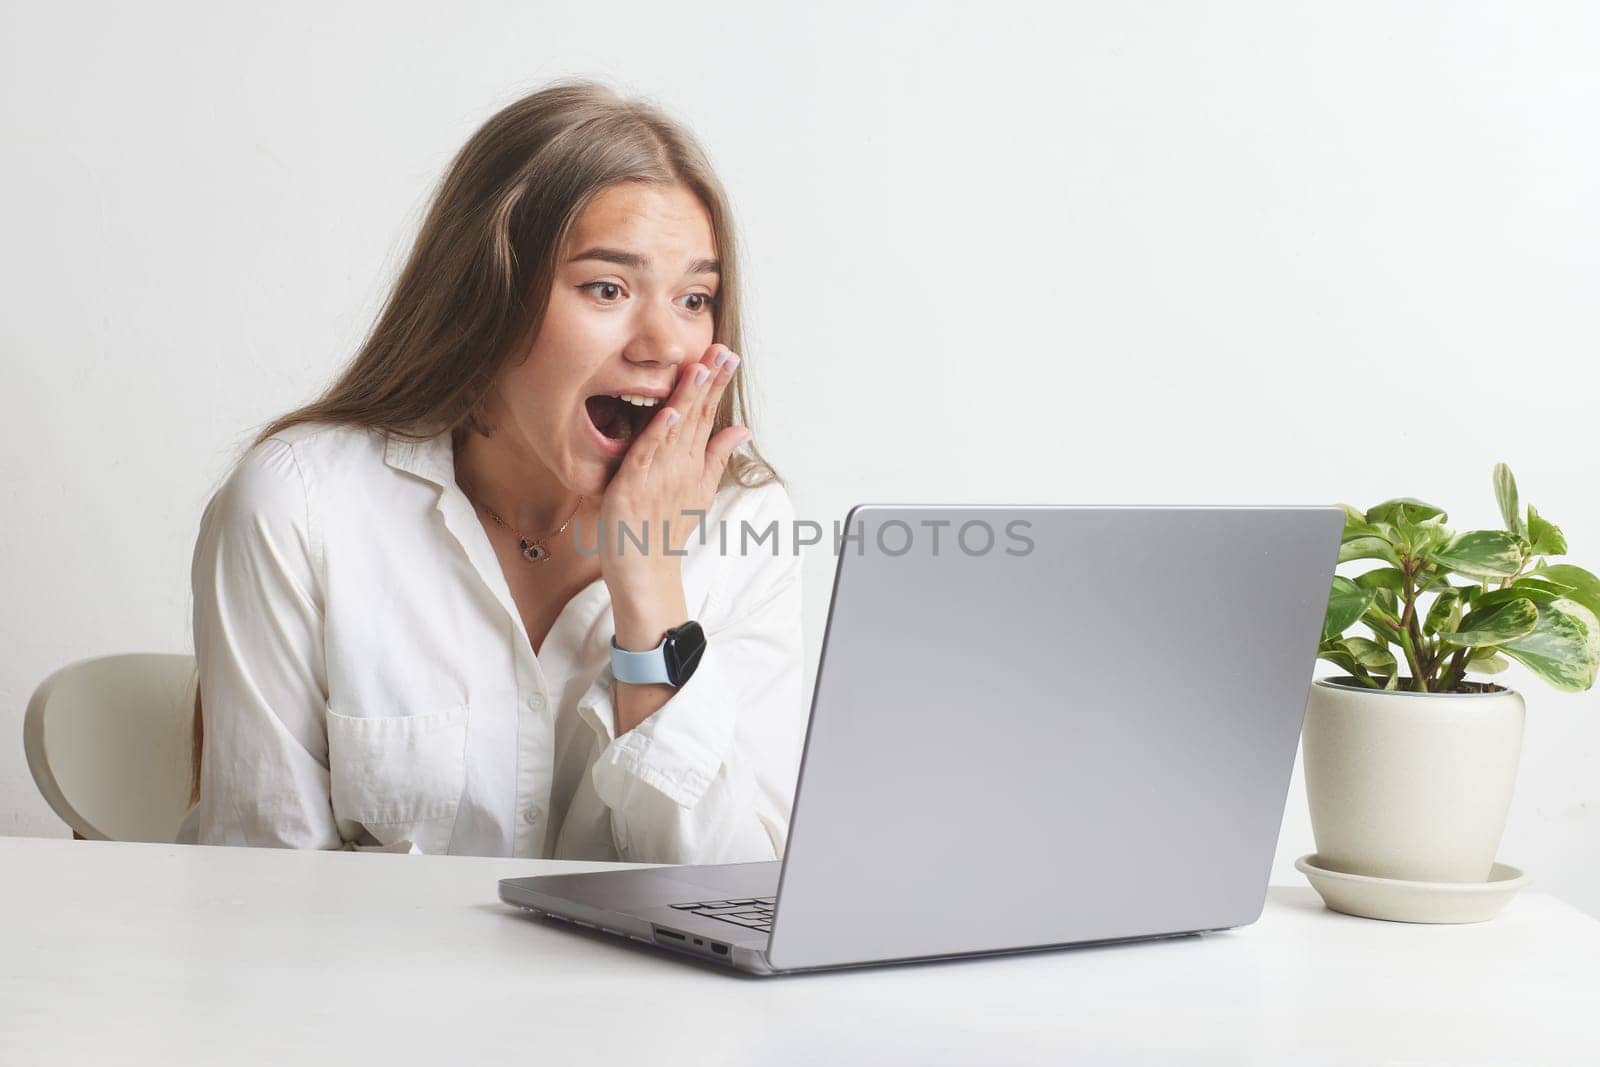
602 285
705 301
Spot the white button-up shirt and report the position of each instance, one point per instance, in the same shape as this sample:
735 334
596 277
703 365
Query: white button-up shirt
368 682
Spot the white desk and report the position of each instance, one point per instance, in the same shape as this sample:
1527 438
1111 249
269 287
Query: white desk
128 953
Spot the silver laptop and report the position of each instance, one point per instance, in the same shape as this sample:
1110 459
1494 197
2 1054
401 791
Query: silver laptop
1033 727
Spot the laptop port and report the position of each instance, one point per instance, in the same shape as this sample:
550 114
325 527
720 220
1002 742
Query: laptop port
701 947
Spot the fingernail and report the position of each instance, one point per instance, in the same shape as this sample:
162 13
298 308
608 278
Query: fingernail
733 364
722 357
672 417
701 374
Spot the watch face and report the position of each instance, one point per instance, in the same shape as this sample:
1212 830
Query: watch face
682 648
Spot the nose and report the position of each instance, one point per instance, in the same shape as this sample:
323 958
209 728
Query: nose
659 338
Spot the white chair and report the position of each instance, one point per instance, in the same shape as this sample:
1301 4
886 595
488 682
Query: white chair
108 741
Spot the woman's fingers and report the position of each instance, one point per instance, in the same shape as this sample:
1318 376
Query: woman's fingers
717 453
694 428
692 381
658 432
719 385
687 420
721 369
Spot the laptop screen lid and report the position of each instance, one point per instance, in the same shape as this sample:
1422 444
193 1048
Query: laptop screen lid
1039 725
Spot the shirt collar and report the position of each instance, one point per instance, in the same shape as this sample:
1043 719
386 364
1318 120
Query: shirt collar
432 459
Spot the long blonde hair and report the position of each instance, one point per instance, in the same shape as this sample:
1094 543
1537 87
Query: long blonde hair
474 290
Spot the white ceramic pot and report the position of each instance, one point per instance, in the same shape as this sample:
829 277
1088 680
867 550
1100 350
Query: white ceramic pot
1413 786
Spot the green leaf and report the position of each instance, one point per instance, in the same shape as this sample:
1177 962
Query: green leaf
1381 632
1405 509
1384 583
1444 616
1564 648
1418 538
1382 625
1547 538
1356 526
1347 602
1353 530
1435 580
1358 657
1373 657
1540 590
1481 554
1389 578
1505 492
1332 649
1494 625
1368 548
1487 661
1584 587
1337 653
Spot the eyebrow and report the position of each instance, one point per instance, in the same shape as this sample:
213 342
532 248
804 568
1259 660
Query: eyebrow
638 262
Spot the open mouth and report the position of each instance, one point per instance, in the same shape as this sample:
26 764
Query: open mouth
618 419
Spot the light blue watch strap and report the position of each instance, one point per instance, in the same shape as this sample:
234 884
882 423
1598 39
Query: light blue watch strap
640 668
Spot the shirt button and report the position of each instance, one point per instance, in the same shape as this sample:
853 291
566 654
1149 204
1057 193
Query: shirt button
536 702
532 814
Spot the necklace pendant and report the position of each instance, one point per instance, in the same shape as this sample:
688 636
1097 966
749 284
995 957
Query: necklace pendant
533 551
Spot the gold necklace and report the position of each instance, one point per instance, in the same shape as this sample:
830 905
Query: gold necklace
533 549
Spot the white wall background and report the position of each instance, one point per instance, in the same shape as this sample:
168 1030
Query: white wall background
1134 252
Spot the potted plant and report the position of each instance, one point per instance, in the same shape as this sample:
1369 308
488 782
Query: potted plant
1409 762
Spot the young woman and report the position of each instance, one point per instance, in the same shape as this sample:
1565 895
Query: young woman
517 584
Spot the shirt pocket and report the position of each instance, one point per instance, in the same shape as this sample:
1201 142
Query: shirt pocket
400 776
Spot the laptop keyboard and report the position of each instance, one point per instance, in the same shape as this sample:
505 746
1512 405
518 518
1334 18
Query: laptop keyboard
752 913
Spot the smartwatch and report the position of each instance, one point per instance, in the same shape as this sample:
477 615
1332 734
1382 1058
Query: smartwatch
671 662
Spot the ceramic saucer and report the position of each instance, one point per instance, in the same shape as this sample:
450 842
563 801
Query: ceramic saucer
1413 902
